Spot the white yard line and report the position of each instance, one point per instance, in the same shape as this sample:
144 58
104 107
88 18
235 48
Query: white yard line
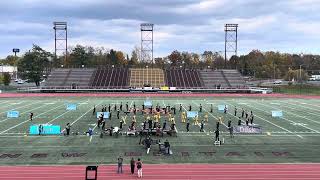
314 109
4 102
309 110
187 110
29 120
274 123
20 107
62 114
76 120
181 134
302 116
8 103
211 114
96 124
29 110
286 118
163 103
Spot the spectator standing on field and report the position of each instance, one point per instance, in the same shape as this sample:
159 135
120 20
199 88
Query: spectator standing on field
127 106
118 114
132 165
31 116
139 167
225 109
120 160
188 125
94 110
251 118
231 132
201 126
40 129
68 126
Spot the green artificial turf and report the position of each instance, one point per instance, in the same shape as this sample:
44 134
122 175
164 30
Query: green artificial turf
291 139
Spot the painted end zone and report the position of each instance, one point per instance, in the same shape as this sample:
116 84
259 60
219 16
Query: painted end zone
170 171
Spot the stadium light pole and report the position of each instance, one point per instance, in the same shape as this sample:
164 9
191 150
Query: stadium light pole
15 51
147 74
300 71
274 71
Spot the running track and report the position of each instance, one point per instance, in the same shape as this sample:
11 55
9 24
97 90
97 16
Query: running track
170 172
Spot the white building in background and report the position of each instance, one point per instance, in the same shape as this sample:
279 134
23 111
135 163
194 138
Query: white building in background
12 70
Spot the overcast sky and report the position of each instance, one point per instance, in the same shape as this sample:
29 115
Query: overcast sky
186 25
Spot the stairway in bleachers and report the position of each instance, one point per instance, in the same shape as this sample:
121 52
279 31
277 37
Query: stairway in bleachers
143 76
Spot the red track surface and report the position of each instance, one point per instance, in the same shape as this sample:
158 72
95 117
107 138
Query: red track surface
165 171
10 95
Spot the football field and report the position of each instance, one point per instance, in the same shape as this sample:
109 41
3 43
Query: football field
293 138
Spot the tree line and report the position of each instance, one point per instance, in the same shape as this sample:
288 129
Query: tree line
37 62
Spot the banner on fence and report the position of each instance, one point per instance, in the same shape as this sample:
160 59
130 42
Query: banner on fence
164 88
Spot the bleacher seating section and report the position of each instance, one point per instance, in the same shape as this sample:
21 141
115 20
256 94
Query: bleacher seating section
182 78
142 76
110 78
69 77
234 78
223 78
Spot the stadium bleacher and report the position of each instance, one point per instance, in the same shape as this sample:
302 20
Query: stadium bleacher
233 77
226 78
123 78
70 77
213 79
110 78
182 78
148 76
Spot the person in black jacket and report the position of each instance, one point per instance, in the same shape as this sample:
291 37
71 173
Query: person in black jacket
167 147
94 110
132 165
188 125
